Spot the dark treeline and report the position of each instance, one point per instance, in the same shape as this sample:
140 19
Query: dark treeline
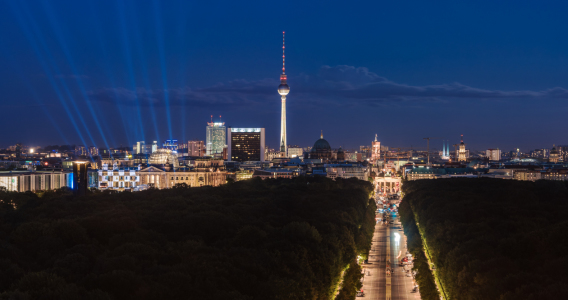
494 238
424 277
272 239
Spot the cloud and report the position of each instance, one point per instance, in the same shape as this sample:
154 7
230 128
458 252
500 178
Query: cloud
339 85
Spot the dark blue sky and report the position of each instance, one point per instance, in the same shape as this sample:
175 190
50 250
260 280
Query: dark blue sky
114 72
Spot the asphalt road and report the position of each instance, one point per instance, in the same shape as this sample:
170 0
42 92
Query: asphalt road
377 285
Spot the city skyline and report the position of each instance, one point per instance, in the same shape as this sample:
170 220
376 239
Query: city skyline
108 74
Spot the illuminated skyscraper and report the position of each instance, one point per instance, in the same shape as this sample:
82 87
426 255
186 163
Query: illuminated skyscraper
283 90
171 145
376 148
140 147
245 144
461 152
216 137
154 146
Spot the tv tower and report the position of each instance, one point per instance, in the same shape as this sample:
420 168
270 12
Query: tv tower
283 90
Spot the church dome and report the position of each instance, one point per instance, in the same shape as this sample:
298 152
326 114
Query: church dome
321 144
554 150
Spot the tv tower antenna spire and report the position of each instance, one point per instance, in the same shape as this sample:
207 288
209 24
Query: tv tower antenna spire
283 90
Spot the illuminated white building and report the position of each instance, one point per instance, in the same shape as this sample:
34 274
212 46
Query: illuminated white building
295 152
163 157
376 150
493 154
215 138
462 155
35 181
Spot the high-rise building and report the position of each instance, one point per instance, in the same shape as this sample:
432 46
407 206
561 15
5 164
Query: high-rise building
195 148
171 145
493 154
215 138
154 146
80 182
94 151
140 148
376 148
81 151
245 144
462 156
283 90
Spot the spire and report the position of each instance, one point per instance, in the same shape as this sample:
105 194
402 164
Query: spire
375 137
283 55
462 138
321 137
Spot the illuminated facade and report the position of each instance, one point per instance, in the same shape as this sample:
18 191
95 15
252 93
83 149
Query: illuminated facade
216 138
493 154
196 148
139 148
462 155
35 181
245 144
376 150
164 156
295 152
283 90
116 178
554 155
154 146
171 145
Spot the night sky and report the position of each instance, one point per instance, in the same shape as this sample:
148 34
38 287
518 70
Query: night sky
109 73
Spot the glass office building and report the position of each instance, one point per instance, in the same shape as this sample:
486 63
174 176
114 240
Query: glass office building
216 138
245 144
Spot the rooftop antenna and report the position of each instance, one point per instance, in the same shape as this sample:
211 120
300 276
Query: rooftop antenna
220 121
283 55
211 118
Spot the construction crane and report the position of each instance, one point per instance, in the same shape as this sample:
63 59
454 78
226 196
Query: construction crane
428 147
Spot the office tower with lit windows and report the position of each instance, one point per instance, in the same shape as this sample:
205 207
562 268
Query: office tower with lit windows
215 138
171 145
245 144
93 151
139 148
376 150
196 148
154 146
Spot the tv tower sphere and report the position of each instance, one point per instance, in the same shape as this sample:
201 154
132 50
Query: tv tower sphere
283 89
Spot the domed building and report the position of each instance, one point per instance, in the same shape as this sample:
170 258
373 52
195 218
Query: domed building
321 149
163 157
340 154
554 155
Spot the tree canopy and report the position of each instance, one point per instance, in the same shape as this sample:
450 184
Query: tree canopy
494 238
254 239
